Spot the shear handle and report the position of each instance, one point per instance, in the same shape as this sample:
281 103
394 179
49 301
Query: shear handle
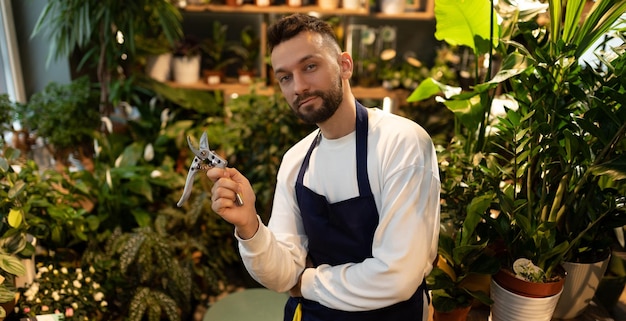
193 170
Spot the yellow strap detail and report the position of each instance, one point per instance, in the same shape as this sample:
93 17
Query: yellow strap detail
297 315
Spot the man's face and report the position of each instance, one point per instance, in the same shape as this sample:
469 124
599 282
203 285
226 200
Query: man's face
308 73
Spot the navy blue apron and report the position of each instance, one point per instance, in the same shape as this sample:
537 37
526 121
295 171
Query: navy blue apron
343 232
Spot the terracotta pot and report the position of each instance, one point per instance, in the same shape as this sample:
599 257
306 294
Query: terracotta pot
213 77
507 280
245 77
458 314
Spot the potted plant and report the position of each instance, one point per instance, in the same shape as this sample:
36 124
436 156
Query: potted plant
461 277
546 152
248 52
64 117
187 59
13 244
217 54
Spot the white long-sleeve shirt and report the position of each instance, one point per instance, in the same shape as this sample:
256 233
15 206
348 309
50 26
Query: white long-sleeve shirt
404 178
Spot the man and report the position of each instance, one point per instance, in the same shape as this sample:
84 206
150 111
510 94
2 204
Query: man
354 227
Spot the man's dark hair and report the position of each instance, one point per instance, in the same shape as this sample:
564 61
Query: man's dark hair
292 25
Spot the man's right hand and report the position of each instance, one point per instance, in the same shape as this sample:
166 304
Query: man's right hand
228 182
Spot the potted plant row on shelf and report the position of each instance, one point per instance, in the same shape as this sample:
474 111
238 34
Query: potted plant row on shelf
207 60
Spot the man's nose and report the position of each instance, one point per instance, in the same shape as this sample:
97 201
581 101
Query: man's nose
300 85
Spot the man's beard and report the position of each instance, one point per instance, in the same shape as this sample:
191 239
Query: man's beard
331 100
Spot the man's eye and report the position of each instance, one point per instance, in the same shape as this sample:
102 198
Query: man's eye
310 66
283 79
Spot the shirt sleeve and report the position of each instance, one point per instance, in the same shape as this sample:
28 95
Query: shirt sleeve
276 255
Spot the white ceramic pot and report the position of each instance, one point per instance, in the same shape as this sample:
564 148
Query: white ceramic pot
580 287
392 6
509 306
158 67
186 70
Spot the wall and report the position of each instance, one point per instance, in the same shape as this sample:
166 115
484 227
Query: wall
34 52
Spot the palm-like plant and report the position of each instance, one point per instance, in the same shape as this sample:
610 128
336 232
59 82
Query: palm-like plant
103 32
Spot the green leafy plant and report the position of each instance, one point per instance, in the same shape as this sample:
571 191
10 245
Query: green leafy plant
248 49
12 244
92 30
45 204
65 117
547 151
151 281
217 49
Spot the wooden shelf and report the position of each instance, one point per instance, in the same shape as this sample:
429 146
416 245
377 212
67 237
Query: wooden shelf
231 90
424 12
249 8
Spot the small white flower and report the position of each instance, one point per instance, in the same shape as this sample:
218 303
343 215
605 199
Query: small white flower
148 153
64 270
55 272
103 303
96 285
16 168
108 179
56 296
32 292
77 284
66 282
98 296
118 160
107 123
79 276
92 270
155 173
74 305
38 300
75 292
87 279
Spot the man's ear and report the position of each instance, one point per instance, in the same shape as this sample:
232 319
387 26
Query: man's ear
346 64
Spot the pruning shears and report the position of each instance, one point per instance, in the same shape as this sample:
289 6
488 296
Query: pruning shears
205 158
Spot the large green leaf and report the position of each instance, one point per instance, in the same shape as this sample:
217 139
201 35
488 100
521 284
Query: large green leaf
469 111
477 207
12 264
467 23
615 169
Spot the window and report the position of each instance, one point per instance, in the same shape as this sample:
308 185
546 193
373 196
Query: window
11 81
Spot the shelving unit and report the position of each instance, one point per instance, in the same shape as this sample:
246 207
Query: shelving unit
423 10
